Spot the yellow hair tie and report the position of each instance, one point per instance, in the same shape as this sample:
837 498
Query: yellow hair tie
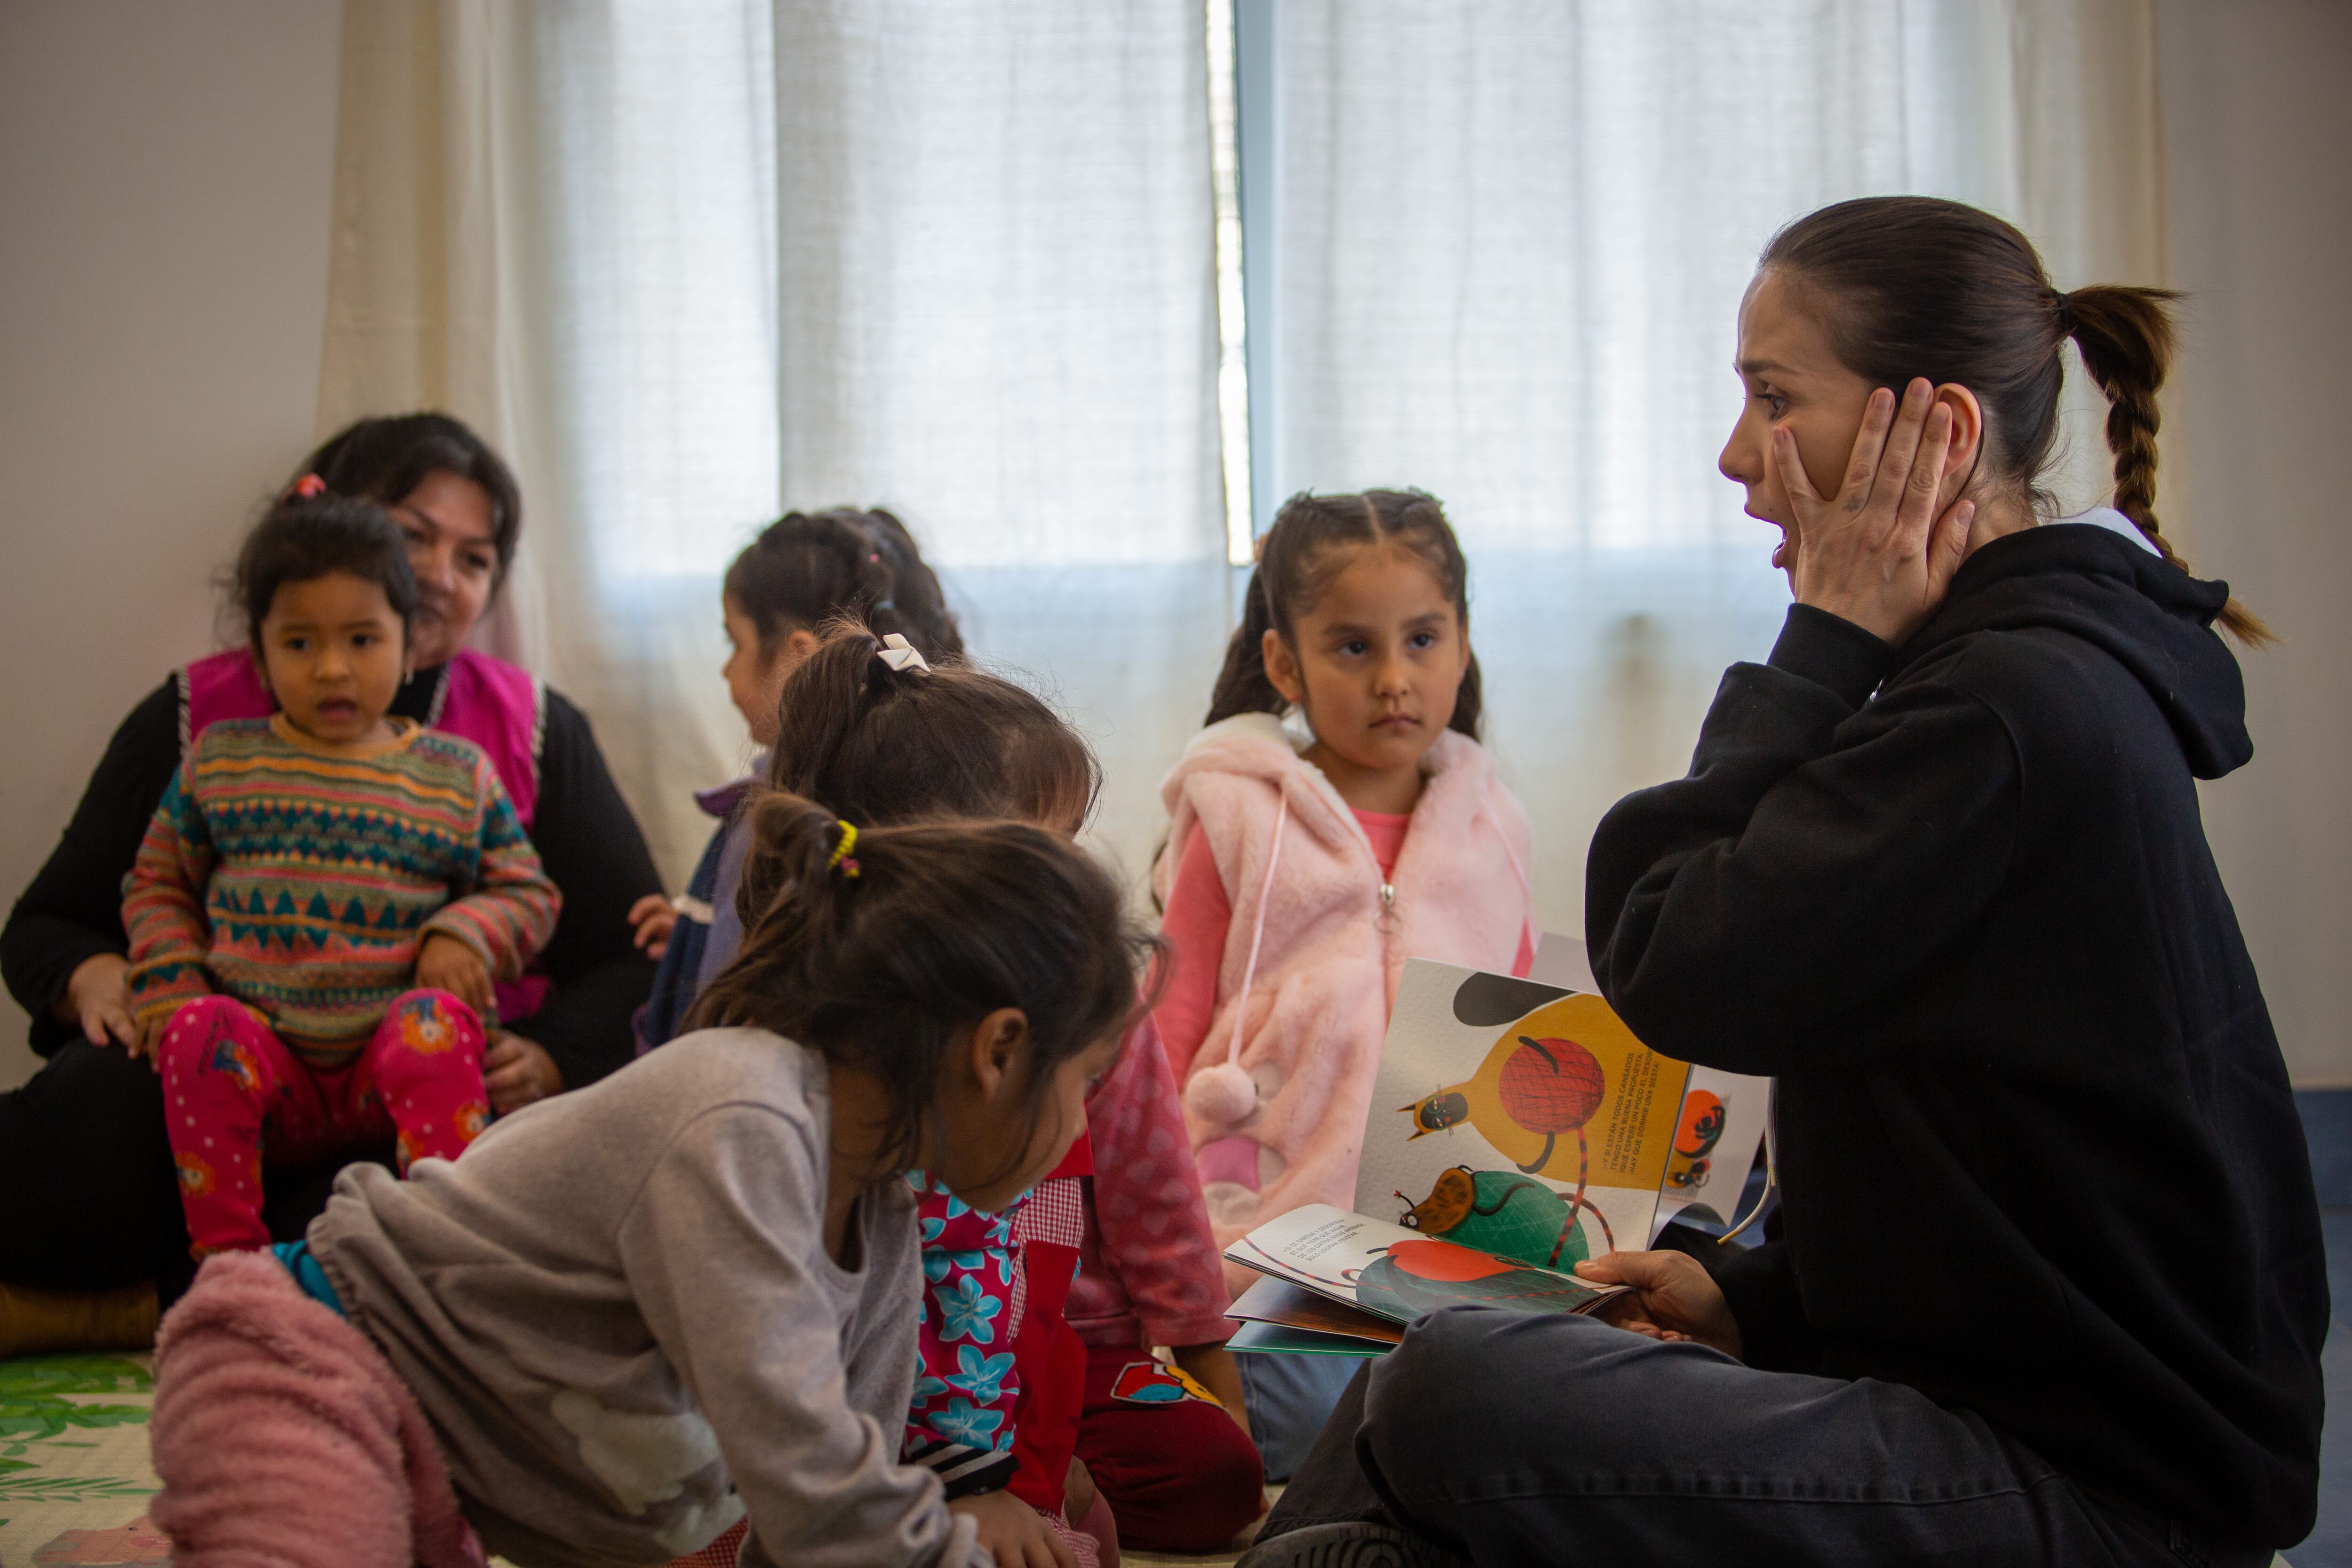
841 861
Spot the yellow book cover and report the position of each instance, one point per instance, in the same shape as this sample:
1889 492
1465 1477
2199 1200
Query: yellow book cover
1526 1120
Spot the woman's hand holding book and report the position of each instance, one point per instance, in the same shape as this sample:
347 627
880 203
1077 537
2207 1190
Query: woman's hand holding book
1668 1297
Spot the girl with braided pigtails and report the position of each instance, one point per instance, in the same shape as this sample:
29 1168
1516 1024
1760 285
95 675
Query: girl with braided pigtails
1336 818
2048 1284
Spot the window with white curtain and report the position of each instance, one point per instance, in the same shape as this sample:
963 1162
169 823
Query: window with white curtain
950 257
984 262
1495 250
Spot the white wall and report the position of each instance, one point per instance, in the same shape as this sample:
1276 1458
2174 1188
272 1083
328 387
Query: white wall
2258 132
166 171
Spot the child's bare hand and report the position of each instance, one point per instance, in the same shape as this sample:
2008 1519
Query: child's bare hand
1214 1369
1078 1493
147 1040
653 916
445 963
1015 1533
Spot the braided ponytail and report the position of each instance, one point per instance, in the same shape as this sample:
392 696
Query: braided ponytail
1243 685
916 604
2126 339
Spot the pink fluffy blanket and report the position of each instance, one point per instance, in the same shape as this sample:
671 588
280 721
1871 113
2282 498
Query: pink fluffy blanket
283 1437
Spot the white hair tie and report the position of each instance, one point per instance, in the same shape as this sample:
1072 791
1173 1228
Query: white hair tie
901 655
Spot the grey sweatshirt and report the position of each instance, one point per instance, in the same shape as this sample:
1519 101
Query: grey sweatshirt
618 1305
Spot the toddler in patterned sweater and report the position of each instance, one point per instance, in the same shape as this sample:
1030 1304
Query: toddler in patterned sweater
324 897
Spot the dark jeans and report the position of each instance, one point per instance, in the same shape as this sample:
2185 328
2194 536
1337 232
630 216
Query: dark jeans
1515 1438
1290 1400
89 1196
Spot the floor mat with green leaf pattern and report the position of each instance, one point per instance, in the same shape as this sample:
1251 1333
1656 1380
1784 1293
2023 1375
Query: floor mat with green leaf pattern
74 1472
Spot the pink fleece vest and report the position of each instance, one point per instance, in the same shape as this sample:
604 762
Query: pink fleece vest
500 707
1331 953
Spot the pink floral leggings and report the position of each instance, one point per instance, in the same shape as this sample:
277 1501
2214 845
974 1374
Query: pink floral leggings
237 1095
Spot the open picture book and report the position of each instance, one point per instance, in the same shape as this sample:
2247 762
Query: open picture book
1517 1128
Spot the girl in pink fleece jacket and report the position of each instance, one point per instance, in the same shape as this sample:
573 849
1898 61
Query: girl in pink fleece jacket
1309 855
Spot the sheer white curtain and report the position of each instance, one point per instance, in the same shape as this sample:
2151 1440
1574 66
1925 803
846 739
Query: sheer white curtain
998 318
692 262
1508 241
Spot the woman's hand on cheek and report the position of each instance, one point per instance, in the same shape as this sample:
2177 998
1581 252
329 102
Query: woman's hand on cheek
1015 1533
1882 552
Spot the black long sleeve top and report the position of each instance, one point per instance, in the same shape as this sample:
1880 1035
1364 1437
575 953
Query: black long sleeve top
2037 1152
583 831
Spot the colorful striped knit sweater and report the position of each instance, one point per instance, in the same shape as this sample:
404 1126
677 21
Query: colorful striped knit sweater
301 881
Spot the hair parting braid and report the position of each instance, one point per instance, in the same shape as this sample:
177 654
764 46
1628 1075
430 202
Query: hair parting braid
1299 556
805 568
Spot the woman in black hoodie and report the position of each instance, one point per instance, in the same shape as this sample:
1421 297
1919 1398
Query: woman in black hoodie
2048 1283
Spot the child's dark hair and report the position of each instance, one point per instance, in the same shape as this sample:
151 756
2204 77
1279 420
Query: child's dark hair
1297 558
942 923
805 568
305 538
1918 285
883 745
387 458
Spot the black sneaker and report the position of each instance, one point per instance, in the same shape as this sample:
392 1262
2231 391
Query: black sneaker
1349 1545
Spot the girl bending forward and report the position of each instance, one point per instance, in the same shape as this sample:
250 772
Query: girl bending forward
1012 1387
689 1293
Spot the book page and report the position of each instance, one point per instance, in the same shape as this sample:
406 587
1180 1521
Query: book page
1517 1118
1396 1274
1722 1122
1260 1337
1273 1300
1721 1128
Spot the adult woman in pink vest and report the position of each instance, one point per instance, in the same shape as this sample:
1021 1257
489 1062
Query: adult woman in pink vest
89 1208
